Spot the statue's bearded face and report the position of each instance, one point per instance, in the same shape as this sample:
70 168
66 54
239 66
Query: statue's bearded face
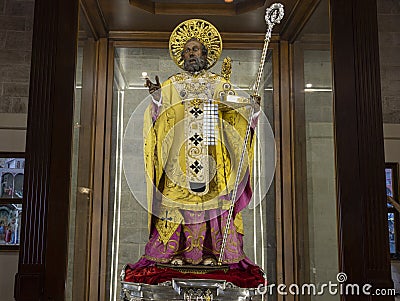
195 58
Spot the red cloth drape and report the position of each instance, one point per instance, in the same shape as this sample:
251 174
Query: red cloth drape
252 277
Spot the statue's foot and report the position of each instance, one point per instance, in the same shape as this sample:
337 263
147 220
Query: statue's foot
209 261
177 261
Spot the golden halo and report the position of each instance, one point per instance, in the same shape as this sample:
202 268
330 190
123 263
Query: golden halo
201 30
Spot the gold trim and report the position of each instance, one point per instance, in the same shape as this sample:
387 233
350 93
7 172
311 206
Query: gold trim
227 68
167 224
204 32
194 269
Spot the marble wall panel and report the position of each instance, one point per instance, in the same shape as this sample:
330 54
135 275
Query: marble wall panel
389 48
15 48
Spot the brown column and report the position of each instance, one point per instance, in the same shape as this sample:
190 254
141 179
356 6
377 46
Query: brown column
363 233
43 252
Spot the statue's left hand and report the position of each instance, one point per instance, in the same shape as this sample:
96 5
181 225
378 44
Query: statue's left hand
257 101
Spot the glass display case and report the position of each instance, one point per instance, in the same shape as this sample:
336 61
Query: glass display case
315 151
128 205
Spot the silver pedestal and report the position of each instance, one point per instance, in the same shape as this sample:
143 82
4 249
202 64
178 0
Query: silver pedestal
188 290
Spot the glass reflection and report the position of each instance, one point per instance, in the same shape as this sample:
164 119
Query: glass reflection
77 286
316 150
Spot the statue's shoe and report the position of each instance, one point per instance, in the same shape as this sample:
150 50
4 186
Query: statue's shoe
209 261
177 261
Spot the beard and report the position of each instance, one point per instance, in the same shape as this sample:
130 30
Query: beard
199 64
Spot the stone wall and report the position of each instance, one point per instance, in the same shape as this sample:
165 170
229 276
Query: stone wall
389 47
16 22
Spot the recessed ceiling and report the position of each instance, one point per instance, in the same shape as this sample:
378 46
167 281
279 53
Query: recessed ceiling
206 7
121 20
197 1
120 15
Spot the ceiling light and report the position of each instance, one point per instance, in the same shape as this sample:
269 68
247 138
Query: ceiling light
228 1
318 90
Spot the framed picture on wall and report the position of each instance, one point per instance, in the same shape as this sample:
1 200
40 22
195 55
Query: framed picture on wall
12 167
392 181
392 191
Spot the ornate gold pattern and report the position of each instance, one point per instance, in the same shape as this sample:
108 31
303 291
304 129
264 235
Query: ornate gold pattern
204 32
167 223
195 269
195 239
227 68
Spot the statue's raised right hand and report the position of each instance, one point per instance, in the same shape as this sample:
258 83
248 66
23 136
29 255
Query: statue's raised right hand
154 88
